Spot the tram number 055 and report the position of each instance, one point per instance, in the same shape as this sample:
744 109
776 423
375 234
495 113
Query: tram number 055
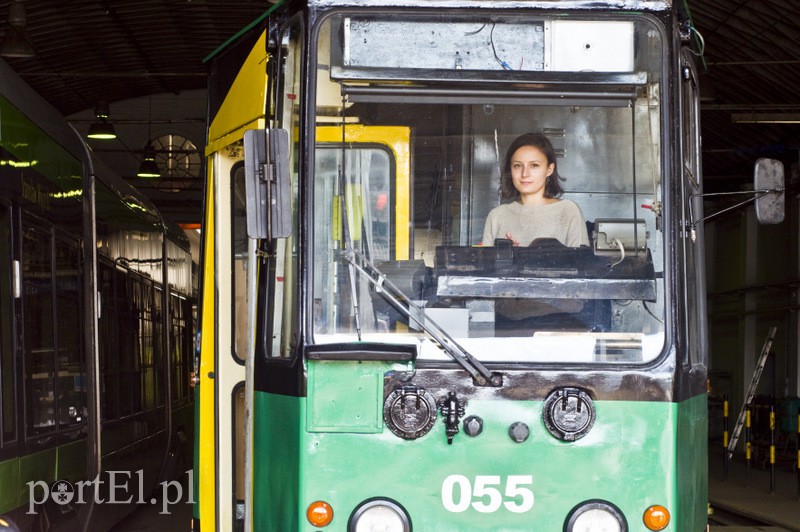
485 495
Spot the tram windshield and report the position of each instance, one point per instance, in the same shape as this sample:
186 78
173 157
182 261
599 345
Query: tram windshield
427 215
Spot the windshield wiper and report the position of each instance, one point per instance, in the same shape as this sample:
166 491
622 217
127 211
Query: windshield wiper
383 285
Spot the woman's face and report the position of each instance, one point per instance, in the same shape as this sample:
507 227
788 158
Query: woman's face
529 172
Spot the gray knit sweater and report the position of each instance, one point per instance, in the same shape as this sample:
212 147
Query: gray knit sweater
561 220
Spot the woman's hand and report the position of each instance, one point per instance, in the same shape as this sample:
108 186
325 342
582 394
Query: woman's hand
514 241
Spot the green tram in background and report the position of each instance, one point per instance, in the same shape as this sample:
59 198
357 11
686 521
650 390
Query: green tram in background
353 375
96 299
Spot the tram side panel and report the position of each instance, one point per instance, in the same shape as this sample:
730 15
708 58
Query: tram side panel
44 387
43 372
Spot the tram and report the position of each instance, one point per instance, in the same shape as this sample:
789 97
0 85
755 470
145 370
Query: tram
356 369
96 329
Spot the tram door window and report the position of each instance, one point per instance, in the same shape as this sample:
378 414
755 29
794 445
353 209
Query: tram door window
239 247
54 369
7 370
238 409
240 242
131 337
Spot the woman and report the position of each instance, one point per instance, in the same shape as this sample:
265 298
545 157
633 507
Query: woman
531 179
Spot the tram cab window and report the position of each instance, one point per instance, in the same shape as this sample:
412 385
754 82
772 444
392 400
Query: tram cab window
463 101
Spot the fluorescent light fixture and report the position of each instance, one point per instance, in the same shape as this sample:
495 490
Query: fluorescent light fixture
103 129
765 118
149 168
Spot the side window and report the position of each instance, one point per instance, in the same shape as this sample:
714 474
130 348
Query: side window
282 275
180 347
126 321
109 358
37 323
369 175
239 242
53 355
691 126
694 293
149 348
69 359
159 358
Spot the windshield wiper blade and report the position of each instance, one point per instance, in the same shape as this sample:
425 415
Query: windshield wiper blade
383 285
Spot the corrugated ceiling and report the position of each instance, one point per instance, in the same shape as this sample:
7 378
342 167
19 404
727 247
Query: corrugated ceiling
752 67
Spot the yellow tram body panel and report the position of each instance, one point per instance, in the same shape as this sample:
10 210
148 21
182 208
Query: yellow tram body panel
244 103
207 435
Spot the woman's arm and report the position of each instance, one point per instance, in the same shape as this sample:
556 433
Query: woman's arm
491 228
577 234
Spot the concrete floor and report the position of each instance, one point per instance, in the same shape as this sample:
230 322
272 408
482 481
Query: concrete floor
751 493
149 517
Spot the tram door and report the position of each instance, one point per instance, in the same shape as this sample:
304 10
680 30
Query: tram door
222 433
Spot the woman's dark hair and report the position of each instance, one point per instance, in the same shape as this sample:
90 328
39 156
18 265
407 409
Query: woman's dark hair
552 187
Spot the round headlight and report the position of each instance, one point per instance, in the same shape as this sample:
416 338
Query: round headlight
379 514
596 516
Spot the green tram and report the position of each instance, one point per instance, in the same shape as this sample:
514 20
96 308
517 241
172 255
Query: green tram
357 371
96 299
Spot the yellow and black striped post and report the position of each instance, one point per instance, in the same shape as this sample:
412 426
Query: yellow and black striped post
748 438
772 448
724 437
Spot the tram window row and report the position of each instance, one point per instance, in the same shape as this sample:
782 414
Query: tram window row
53 362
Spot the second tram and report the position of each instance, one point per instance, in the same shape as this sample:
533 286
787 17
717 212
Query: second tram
96 321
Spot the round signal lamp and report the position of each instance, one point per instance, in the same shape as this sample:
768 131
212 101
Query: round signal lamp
656 517
319 513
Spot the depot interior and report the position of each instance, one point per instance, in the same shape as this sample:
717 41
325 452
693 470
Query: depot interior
141 70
